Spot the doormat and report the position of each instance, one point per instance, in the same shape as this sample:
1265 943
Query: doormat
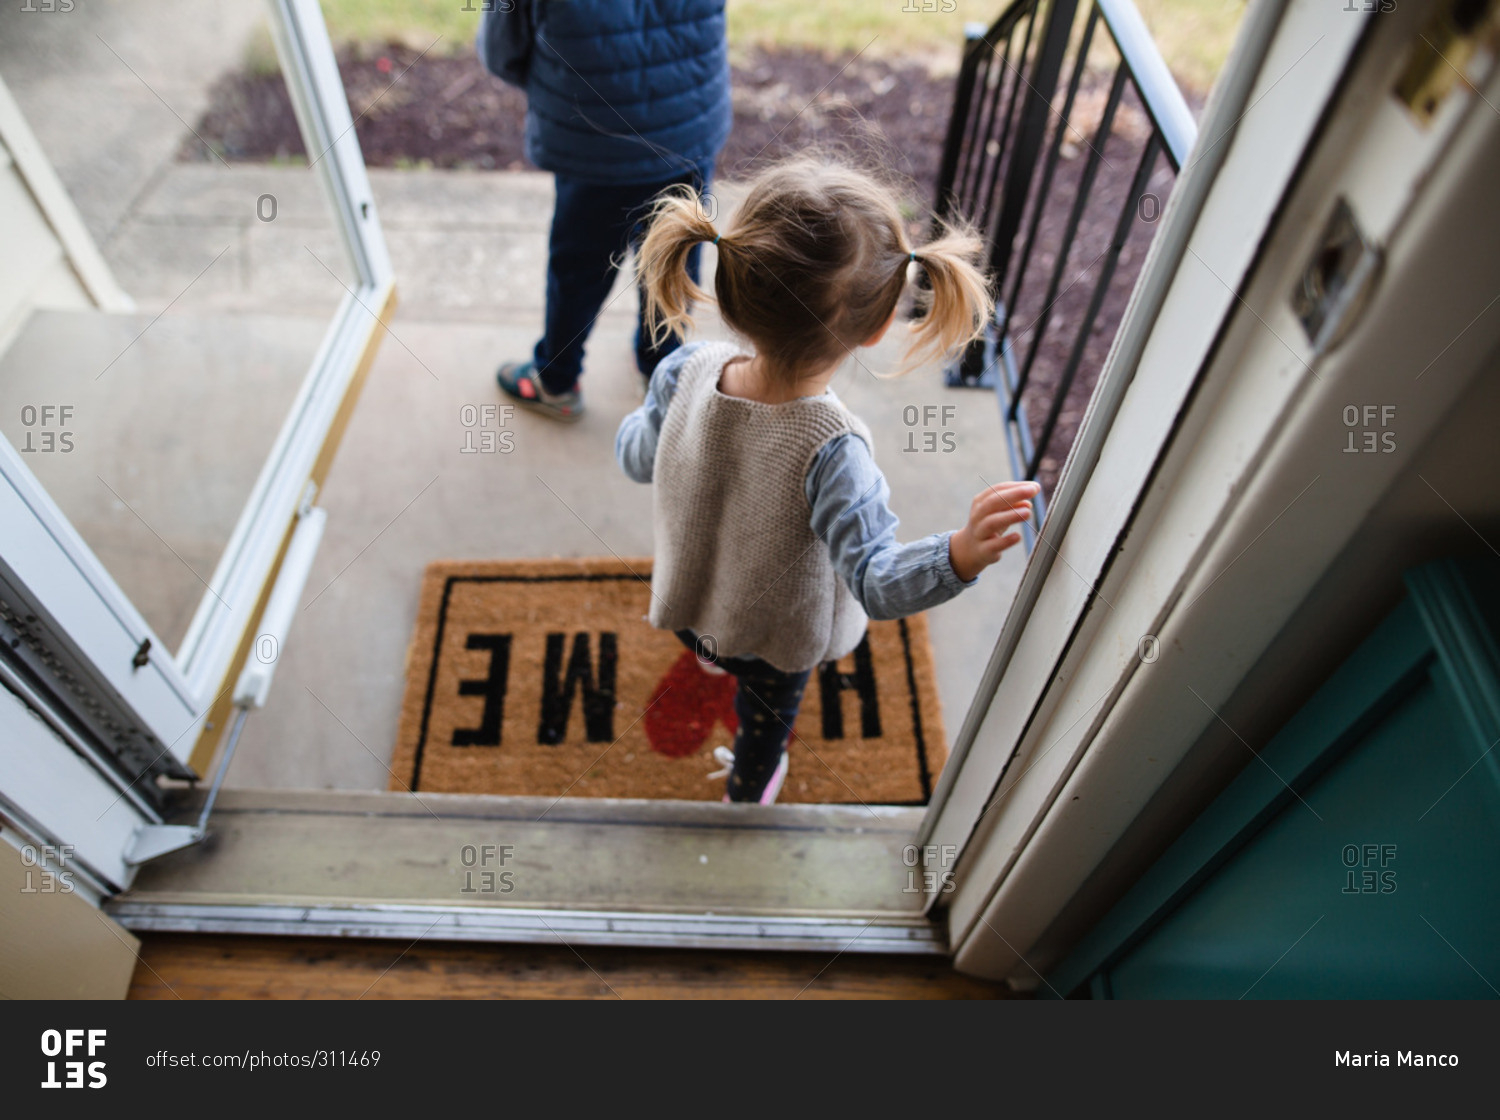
543 678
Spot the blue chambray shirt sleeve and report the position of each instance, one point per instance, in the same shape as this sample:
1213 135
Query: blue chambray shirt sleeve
635 442
851 514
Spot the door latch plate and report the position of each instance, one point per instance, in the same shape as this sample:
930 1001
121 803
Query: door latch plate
1337 281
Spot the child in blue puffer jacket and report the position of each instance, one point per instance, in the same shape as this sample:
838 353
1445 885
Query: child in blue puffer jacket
624 99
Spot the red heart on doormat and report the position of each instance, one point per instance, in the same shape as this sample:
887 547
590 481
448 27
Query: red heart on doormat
686 704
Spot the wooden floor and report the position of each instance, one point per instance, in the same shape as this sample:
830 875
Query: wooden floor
203 966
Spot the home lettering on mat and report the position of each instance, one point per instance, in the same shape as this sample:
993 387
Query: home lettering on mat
492 687
593 683
598 699
832 685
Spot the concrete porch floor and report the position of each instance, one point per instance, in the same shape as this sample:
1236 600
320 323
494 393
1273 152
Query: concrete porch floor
403 492
469 256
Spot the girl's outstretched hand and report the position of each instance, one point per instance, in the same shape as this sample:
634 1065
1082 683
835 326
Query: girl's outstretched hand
993 515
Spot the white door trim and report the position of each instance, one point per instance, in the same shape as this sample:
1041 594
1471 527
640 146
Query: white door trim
1209 536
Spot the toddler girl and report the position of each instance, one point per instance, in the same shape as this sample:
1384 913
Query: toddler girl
774 541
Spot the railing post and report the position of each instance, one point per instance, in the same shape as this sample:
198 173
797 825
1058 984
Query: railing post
970 371
958 119
967 370
1034 113
994 189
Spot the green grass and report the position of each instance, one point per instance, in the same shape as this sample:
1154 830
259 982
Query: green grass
879 27
1194 35
413 23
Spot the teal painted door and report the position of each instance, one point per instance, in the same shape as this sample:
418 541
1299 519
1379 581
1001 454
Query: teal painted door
1360 855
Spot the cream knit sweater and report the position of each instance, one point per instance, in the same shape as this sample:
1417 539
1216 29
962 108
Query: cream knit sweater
736 557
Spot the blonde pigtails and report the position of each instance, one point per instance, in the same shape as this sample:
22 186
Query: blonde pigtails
677 223
957 304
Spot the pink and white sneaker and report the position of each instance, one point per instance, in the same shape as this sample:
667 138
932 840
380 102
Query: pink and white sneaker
725 758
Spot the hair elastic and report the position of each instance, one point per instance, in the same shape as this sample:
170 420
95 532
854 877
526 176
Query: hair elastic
912 256
716 238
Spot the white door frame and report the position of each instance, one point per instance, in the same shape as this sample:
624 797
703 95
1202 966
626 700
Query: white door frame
1078 539
1218 497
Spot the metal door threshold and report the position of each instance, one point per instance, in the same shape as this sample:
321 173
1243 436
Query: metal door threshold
506 924
582 871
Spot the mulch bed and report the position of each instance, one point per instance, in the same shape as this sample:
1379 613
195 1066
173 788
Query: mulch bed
448 112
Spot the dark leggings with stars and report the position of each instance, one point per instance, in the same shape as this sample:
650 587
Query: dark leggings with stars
765 703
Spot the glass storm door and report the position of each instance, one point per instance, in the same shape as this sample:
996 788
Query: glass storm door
163 452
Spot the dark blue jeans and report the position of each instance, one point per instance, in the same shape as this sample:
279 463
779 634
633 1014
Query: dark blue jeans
593 227
765 702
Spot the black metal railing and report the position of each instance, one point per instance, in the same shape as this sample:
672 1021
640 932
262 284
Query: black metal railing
1066 196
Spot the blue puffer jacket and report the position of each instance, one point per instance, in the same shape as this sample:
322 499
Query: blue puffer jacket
618 91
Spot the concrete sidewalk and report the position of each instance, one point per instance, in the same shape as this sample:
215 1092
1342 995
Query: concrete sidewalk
468 245
109 88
